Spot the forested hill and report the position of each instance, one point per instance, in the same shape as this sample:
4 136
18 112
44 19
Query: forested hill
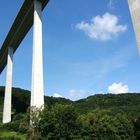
102 117
128 104
121 103
21 100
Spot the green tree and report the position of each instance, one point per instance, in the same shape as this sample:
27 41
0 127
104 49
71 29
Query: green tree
100 125
137 128
59 122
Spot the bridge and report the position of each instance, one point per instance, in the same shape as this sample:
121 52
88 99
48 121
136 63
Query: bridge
28 15
22 24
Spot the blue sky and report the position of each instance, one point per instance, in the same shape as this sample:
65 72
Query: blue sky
89 48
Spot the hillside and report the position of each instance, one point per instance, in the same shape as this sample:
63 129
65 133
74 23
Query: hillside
128 103
121 103
21 100
102 117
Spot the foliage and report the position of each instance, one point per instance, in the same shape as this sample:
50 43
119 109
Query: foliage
33 125
98 117
9 135
137 128
14 125
59 122
100 125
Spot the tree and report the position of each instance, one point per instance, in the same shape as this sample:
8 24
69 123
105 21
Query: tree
59 122
100 125
137 128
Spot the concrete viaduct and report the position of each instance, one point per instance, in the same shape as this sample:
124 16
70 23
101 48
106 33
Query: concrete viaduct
30 14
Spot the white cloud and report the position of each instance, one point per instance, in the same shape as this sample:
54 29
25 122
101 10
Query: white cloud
73 94
104 27
57 95
117 88
76 94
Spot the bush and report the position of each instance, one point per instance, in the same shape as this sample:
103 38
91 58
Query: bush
61 121
15 124
100 125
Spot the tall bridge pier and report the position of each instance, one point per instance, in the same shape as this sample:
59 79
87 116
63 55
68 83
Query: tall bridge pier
8 88
37 91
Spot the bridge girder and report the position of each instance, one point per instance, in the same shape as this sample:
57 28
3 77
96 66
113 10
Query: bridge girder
20 27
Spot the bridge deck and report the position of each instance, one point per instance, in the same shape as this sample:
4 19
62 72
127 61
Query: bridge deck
22 24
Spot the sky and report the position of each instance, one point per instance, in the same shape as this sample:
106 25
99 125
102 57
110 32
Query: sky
89 48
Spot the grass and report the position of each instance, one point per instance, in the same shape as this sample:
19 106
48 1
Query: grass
6 133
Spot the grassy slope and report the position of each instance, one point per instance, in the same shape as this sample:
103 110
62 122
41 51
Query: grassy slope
6 133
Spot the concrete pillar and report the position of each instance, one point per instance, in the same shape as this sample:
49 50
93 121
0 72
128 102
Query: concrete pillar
134 7
8 88
37 90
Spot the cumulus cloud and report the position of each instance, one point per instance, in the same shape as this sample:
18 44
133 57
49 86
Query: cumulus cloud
102 27
57 95
117 88
76 94
73 94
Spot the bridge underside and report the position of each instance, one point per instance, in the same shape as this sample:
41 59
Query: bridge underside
22 24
